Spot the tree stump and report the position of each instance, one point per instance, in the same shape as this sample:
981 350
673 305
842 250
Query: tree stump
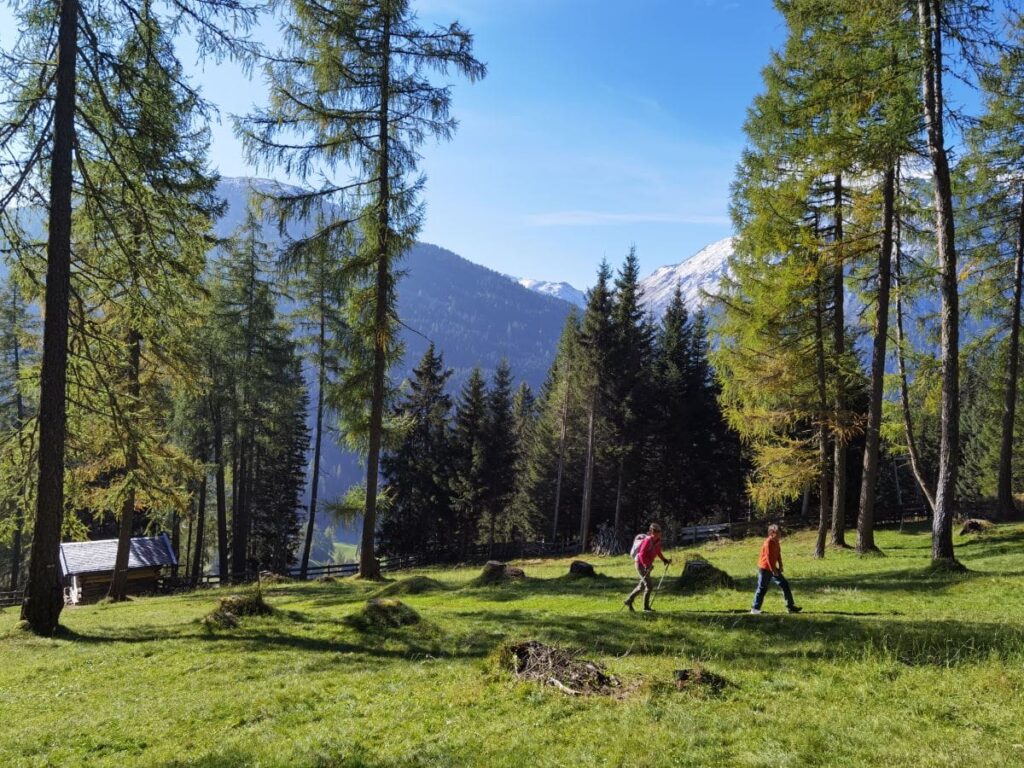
497 572
976 525
581 568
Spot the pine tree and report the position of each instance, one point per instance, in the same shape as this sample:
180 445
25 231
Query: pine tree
500 450
469 458
419 468
596 343
628 373
552 461
279 459
350 90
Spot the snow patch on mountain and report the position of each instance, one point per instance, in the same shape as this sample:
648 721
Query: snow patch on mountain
561 290
697 276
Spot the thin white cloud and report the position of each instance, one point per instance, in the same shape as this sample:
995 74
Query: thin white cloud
600 218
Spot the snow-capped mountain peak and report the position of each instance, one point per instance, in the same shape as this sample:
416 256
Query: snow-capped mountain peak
560 290
700 274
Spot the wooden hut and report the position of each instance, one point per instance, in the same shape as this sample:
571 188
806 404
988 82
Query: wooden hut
88 566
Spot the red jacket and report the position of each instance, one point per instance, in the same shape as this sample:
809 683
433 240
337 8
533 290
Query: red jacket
649 549
771 555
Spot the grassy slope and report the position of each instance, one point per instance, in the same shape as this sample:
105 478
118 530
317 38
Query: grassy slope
885 666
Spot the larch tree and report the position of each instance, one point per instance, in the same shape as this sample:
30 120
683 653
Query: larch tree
995 167
317 285
65 51
18 358
351 91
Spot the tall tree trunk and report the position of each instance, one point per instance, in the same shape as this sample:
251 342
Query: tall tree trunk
930 13
369 568
1005 507
315 479
824 473
176 541
222 510
908 424
44 598
869 478
838 538
240 520
588 475
187 563
618 504
561 459
119 583
19 513
197 556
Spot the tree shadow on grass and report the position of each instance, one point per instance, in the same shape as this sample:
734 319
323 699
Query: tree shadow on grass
418 641
825 637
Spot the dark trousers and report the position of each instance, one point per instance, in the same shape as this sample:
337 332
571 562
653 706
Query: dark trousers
764 577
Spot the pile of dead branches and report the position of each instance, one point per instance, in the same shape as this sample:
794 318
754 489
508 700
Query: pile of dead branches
563 669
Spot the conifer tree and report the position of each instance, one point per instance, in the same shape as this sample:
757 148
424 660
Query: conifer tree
351 91
18 356
524 419
500 450
469 459
995 165
628 373
419 469
551 455
596 343
48 127
317 285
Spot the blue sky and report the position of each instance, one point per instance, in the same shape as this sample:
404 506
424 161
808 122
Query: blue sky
601 124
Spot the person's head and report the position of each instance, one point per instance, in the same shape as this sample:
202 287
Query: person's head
773 531
655 530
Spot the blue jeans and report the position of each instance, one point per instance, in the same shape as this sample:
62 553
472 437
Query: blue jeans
763 577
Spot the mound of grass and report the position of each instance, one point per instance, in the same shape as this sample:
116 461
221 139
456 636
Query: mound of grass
699 575
233 607
414 585
384 613
699 678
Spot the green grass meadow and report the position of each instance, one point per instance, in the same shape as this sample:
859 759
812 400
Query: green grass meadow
888 665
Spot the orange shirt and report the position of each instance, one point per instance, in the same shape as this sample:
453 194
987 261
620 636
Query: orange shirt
771 555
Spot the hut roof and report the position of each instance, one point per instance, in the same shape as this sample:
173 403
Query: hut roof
99 556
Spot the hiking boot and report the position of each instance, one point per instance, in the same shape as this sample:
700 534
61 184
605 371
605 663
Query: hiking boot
648 609
794 609
629 604
755 610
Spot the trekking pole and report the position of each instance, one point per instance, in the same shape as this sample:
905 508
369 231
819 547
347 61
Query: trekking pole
660 581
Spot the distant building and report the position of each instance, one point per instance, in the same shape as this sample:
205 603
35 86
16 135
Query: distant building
87 567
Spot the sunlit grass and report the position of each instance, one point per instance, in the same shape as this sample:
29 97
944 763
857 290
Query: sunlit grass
888 665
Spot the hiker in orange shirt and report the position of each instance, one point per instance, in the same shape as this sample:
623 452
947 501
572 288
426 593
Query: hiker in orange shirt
769 568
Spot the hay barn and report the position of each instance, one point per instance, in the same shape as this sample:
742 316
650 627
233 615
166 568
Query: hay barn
88 567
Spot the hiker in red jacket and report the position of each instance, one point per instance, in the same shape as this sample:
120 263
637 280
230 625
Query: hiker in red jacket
769 568
649 549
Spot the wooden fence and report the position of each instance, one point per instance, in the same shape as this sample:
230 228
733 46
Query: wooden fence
8 599
687 536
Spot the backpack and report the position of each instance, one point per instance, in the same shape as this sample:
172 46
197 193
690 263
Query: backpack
639 539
